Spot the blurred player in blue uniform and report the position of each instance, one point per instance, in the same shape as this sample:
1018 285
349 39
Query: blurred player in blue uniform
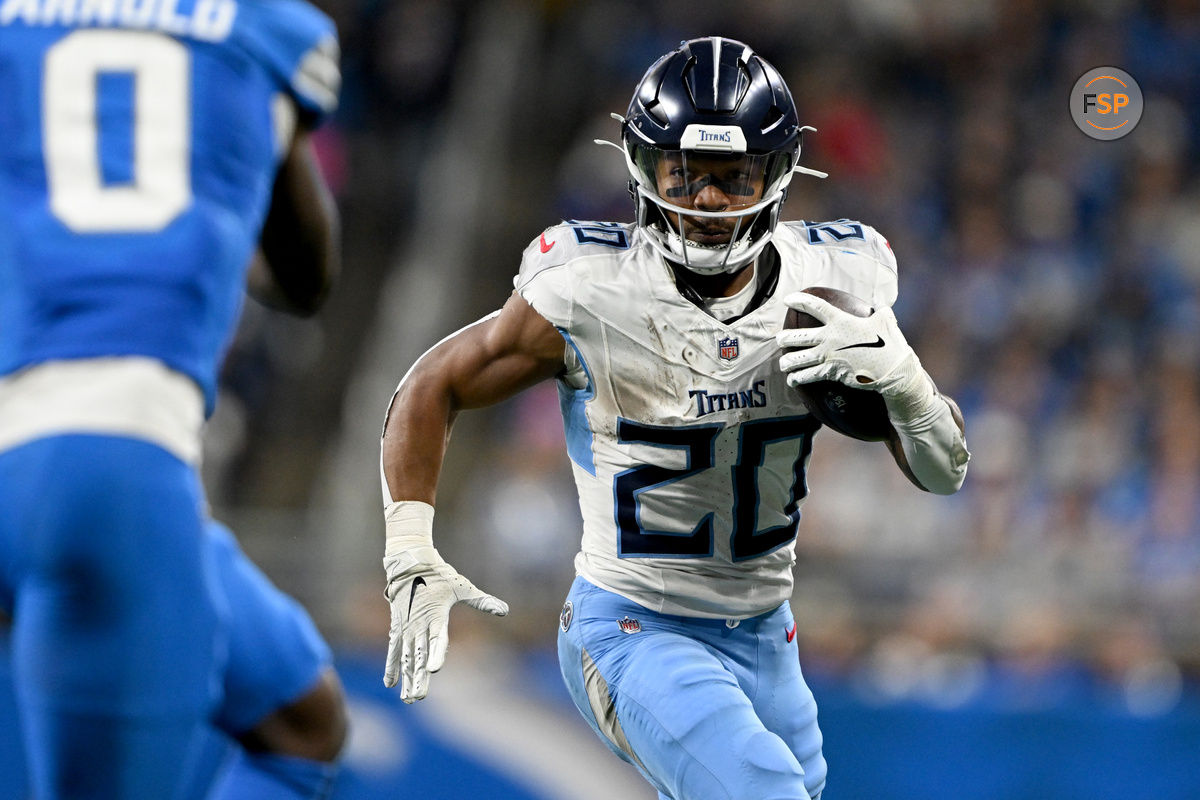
688 445
149 153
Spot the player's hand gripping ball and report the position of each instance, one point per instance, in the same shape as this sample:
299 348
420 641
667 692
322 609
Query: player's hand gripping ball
858 413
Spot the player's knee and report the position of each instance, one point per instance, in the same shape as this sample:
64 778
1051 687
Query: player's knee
765 770
312 727
777 772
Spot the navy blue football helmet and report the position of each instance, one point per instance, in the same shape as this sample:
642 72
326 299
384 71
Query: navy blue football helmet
710 113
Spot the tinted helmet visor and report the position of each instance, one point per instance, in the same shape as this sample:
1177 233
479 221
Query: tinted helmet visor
716 182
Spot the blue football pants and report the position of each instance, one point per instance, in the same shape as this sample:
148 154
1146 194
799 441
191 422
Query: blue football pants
703 710
137 622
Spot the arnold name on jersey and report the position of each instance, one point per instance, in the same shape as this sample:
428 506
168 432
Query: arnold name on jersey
207 20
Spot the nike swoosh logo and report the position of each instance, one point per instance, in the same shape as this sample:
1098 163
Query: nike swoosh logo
546 247
791 633
413 592
877 343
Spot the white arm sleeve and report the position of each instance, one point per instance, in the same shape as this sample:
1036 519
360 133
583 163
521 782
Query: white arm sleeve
933 444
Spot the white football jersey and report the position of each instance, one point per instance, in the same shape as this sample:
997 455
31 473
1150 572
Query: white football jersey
689 449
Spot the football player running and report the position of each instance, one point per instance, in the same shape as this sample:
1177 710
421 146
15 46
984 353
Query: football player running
144 150
688 447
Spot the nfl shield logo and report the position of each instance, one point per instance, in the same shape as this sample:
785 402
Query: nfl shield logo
628 625
728 348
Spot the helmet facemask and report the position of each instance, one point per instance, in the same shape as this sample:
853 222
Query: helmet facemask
710 211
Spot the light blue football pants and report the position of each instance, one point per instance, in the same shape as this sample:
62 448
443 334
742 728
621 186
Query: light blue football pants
703 710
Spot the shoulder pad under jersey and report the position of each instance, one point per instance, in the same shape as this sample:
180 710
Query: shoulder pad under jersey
300 44
847 234
858 249
569 240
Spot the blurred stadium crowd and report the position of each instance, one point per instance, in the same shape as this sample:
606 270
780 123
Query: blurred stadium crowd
1050 283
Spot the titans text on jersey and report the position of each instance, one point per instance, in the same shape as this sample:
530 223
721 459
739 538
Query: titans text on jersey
709 401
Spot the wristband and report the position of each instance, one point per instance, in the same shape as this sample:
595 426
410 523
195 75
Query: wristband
912 395
408 525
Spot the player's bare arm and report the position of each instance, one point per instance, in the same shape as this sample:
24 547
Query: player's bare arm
480 365
297 259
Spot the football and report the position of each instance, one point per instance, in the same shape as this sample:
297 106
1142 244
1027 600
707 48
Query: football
858 413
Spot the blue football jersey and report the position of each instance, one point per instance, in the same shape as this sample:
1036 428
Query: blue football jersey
138 148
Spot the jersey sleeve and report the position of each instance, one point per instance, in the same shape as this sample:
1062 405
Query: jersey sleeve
299 45
544 278
861 260
876 248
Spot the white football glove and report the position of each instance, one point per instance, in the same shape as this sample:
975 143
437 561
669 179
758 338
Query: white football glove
862 352
421 588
